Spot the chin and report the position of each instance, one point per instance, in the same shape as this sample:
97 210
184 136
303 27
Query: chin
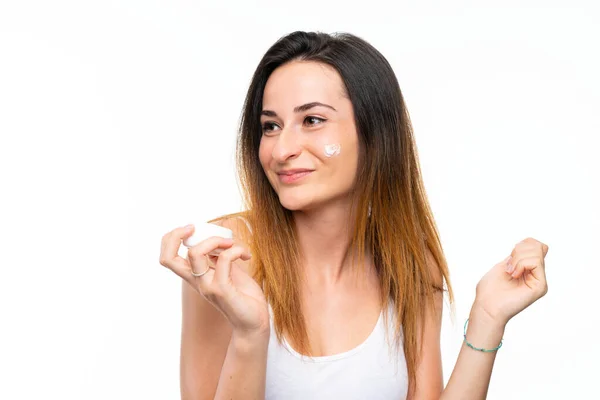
295 203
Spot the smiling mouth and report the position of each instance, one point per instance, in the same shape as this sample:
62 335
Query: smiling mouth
293 177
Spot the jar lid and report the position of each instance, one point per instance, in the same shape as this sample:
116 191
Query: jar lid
205 230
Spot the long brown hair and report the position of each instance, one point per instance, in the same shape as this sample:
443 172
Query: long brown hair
393 218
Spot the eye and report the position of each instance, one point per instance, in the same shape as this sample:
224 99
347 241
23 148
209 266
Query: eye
269 126
312 121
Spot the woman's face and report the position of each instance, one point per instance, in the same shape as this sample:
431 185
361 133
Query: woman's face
309 146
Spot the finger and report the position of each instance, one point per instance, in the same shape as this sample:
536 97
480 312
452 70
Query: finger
170 242
170 245
531 243
208 246
530 264
525 247
214 256
226 258
205 281
199 261
519 254
544 249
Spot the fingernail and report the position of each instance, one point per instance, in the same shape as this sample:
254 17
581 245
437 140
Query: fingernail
508 267
189 226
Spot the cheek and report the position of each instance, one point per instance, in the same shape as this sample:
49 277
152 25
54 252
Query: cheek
326 146
264 154
332 149
335 146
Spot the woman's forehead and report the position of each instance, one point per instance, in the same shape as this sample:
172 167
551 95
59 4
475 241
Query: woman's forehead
301 82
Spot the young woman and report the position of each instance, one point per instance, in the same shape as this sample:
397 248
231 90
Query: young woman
333 285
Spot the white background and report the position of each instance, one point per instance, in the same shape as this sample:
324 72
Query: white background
118 123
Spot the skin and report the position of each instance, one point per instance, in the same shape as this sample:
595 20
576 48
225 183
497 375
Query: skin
334 303
225 315
332 150
298 139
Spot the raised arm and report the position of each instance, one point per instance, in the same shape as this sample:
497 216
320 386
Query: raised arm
507 289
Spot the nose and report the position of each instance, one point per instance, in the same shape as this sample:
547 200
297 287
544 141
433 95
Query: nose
288 146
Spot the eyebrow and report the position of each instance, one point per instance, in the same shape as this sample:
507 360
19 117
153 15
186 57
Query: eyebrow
302 108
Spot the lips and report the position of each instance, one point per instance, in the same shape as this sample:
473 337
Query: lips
293 175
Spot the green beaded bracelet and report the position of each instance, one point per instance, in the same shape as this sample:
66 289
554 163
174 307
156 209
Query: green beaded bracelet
477 348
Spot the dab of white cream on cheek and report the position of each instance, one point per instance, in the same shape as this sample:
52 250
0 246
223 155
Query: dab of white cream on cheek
332 149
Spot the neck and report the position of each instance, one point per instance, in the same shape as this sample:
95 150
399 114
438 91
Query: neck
324 236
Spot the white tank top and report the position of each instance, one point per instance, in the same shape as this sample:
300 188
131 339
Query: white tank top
372 370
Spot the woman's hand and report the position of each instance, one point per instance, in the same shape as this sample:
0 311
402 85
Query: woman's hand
515 283
226 285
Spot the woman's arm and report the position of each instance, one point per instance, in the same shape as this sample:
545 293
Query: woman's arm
429 377
217 362
205 337
508 288
470 378
243 375
214 364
